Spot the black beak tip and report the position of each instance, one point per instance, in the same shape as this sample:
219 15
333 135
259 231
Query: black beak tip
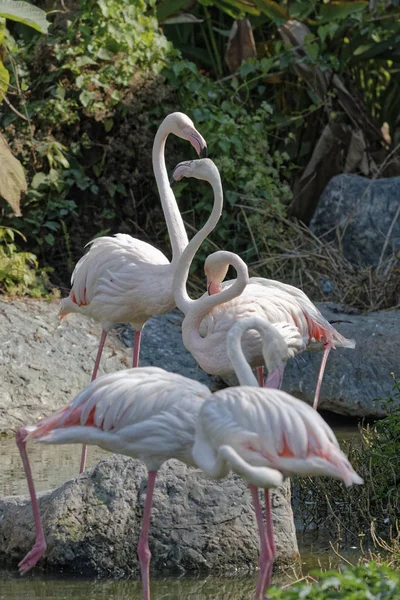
203 152
172 181
208 289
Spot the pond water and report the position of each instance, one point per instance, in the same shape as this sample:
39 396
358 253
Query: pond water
53 465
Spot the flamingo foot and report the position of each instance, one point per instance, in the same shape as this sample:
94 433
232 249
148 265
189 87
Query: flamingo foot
33 556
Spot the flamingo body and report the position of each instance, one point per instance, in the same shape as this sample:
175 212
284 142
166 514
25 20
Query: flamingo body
121 280
268 428
145 413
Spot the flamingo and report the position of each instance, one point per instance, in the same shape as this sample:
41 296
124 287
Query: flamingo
264 435
143 412
207 322
312 325
125 280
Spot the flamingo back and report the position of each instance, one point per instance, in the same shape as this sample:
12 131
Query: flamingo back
138 412
270 428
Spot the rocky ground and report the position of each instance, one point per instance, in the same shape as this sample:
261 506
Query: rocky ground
92 523
44 364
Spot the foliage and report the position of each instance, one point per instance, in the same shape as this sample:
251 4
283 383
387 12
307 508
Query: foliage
376 458
76 118
358 583
19 273
236 139
318 64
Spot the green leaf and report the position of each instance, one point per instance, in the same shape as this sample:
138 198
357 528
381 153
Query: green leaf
38 179
22 12
167 8
86 98
104 54
4 81
335 11
273 10
12 177
2 29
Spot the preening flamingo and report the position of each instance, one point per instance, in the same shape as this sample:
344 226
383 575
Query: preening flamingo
207 322
125 280
145 413
312 325
264 435
209 318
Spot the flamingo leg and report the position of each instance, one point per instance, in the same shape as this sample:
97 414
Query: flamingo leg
143 546
136 348
264 542
260 376
327 348
266 569
94 375
39 548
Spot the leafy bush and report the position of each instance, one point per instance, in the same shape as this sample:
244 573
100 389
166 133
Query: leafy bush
372 508
97 97
358 583
19 273
237 142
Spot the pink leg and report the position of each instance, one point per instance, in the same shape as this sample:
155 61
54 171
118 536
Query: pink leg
143 547
39 548
94 375
136 348
266 571
260 376
264 543
327 348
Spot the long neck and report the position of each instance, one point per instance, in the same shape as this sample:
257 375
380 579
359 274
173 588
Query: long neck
272 341
175 226
203 306
182 299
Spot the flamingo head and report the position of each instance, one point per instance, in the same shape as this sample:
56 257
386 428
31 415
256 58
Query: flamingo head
202 168
215 269
183 127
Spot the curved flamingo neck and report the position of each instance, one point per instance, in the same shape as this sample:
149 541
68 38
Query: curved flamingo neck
173 218
203 306
272 341
179 286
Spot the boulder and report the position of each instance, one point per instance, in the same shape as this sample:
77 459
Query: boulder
92 523
362 212
43 364
356 382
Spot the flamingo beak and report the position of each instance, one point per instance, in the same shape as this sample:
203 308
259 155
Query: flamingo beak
199 144
213 288
275 378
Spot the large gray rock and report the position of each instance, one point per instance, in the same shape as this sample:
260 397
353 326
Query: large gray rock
363 211
43 364
353 379
92 523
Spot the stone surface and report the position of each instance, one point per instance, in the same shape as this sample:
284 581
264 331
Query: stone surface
363 211
43 364
353 379
92 523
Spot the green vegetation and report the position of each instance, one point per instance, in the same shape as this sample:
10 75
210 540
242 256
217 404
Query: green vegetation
363 582
369 512
309 99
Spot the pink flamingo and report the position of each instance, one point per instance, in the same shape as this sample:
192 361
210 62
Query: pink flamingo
125 280
207 321
264 435
143 412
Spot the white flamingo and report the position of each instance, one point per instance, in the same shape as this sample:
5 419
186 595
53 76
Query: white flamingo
208 320
125 280
264 435
144 413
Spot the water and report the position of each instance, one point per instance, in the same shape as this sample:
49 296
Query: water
53 465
